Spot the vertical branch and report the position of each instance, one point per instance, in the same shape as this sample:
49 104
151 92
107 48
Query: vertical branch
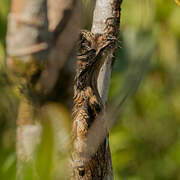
104 10
91 158
26 43
40 47
106 20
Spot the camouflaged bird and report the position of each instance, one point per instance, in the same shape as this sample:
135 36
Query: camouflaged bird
91 53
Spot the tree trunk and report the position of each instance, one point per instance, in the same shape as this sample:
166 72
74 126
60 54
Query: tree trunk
91 158
40 50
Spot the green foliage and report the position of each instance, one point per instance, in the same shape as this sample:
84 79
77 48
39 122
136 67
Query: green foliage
145 142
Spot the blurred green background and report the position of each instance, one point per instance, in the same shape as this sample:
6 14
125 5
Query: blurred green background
145 143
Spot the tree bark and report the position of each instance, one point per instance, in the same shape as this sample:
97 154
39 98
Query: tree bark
40 50
91 158
103 11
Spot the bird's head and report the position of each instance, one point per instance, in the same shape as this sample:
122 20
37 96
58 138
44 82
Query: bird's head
91 47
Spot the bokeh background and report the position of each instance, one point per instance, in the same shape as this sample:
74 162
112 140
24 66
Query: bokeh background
145 142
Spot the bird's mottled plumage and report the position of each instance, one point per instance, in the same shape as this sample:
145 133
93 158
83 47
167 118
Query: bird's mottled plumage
91 50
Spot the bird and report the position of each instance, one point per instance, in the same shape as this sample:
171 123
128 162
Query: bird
91 54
